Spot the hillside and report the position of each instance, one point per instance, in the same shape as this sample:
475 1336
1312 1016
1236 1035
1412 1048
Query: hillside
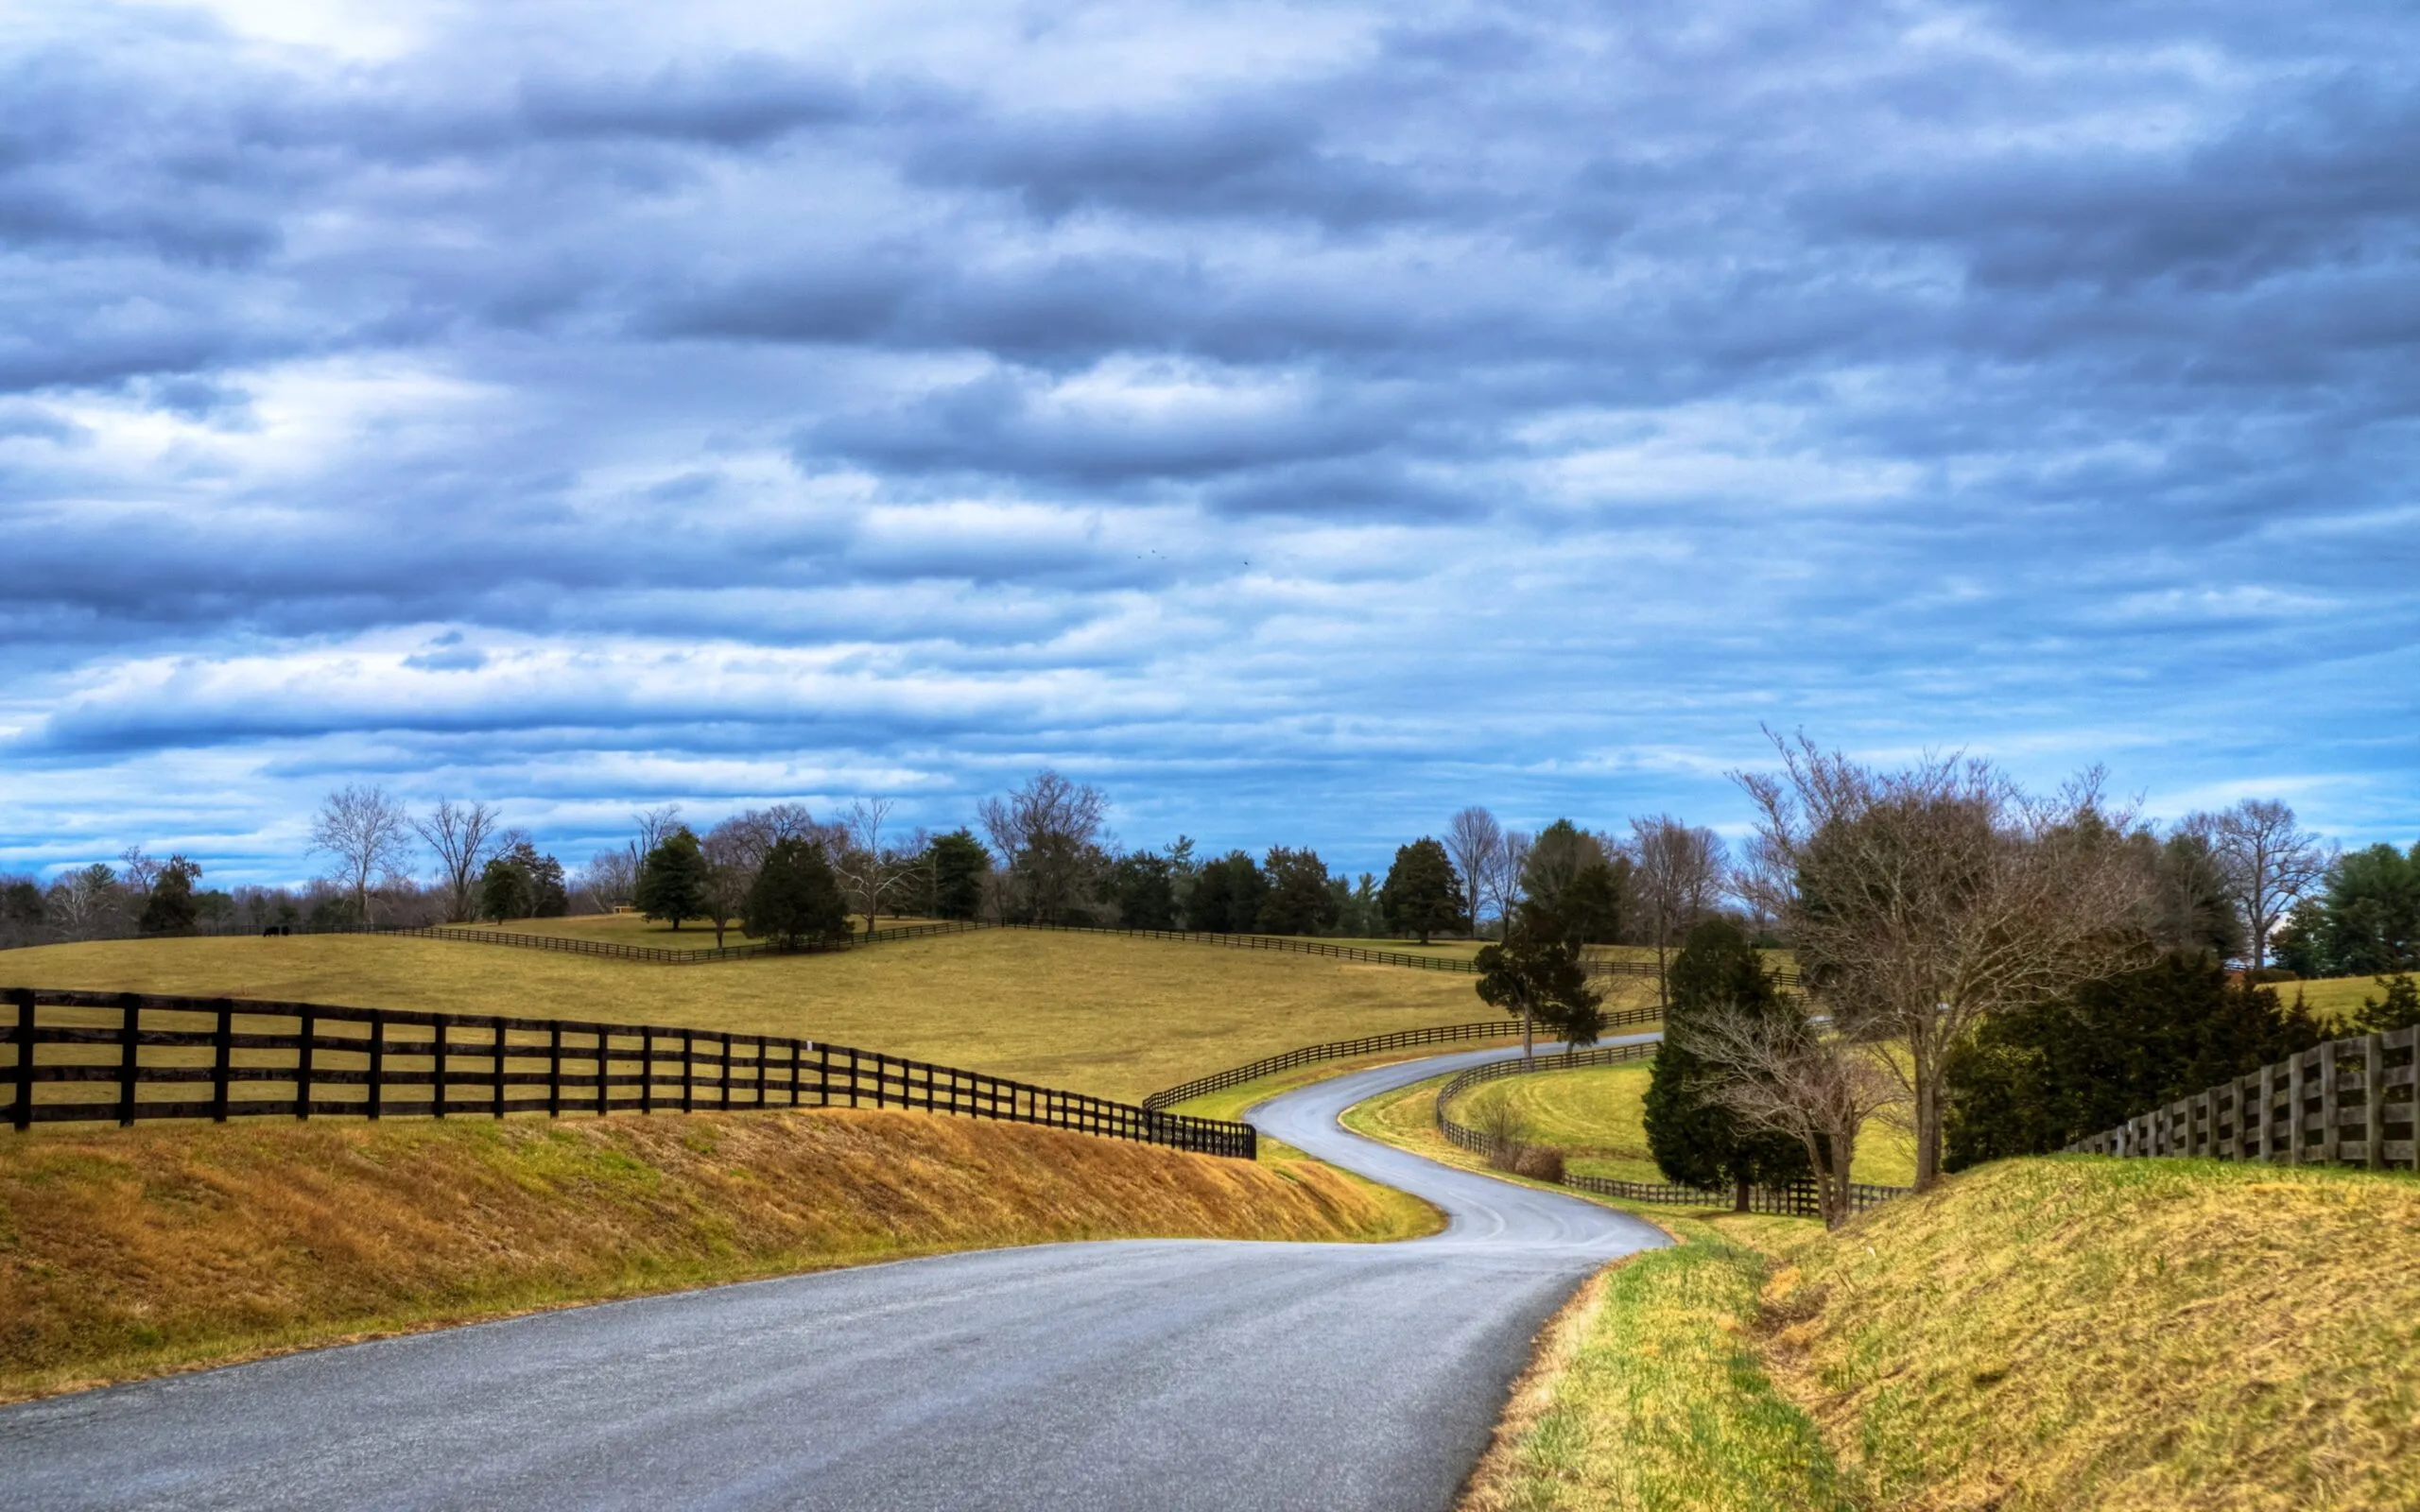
126 1253
1114 1016
2080 1333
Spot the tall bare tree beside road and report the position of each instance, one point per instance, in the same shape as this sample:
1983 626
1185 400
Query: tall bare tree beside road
2267 861
1781 1073
464 837
369 837
1921 902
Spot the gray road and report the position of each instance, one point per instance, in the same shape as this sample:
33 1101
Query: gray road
1131 1375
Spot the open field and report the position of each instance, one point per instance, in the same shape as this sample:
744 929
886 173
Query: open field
1114 1017
2332 999
134 1252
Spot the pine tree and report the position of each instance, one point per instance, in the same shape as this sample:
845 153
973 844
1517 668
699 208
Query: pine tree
795 902
1695 1139
1422 894
672 880
170 909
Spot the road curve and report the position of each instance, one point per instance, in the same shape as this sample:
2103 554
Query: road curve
1129 1375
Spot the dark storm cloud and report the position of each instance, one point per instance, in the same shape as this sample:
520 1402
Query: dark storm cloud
1228 394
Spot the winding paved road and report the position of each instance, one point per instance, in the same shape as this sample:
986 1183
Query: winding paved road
1127 1376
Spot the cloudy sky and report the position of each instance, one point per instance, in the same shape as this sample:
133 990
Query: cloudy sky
1300 420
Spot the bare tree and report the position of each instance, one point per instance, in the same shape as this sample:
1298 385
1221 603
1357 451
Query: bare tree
1473 838
1783 1074
369 834
871 872
1504 871
733 852
85 903
611 878
137 869
1050 830
463 836
655 826
1922 901
2268 864
1677 878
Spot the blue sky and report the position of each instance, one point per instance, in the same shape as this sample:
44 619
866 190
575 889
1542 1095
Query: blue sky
1301 421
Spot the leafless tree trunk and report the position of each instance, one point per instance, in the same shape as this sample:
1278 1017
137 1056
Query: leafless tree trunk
1677 876
1473 838
369 834
871 872
1049 833
733 856
1504 878
1785 1075
1922 901
610 877
2268 862
463 836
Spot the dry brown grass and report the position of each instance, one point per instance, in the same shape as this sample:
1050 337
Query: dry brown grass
134 1252
2118 1334
1117 1018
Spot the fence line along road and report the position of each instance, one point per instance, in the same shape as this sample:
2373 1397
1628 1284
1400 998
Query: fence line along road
1369 1045
93 1057
1794 1200
2332 1104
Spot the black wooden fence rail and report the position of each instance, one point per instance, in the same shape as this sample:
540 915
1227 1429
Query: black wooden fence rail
1793 1199
1368 1045
120 1057
2338 1103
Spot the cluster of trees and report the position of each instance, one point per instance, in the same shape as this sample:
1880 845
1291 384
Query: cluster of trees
2364 919
2000 970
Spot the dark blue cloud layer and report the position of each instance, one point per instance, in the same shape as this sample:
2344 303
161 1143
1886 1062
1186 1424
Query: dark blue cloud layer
1304 422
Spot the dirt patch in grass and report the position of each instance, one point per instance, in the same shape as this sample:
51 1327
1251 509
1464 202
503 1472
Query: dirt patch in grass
134 1252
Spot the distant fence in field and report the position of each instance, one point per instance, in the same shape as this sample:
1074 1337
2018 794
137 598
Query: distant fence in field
93 1057
671 955
2332 1104
1369 1045
1794 1200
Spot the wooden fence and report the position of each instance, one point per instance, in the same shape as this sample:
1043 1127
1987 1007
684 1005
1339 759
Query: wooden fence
120 1057
1794 1200
1368 1045
2348 1101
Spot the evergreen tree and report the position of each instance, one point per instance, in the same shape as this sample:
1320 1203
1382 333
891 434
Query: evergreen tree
1298 901
1227 895
2400 1011
1422 895
2034 1079
796 902
672 878
506 889
1696 1140
1535 975
957 863
1142 886
170 909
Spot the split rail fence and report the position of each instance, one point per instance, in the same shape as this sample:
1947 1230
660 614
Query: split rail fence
121 1056
2348 1101
1795 1199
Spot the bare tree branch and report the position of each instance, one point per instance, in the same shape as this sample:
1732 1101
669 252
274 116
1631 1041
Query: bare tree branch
464 837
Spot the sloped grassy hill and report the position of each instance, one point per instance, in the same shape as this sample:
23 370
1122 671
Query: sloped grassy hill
2090 1333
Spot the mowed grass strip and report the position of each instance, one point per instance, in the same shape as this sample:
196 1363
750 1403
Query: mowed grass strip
1114 1016
126 1253
2085 1334
1597 1116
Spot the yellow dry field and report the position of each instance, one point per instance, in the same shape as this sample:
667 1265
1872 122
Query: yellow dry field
2333 999
1099 1014
2089 1335
132 1252
1596 1117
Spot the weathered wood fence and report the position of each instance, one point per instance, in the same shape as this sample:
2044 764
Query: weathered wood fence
1368 1045
1795 1199
2348 1101
121 1056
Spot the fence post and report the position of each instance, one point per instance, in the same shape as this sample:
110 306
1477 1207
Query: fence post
302 1064
130 1035
497 1100
436 1071
555 1072
725 1078
797 1055
2268 1113
604 1058
2329 1106
2294 1111
378 1059
646 1071
222 1060
760 1071
23 1114
688 1071
2374 1102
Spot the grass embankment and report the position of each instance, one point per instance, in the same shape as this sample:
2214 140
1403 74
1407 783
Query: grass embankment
2089 1334
134 1252
1114 1016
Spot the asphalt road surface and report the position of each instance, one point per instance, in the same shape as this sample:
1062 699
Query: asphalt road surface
1130 1376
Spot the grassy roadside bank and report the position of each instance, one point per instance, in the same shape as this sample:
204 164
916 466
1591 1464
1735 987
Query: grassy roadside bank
127 1253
